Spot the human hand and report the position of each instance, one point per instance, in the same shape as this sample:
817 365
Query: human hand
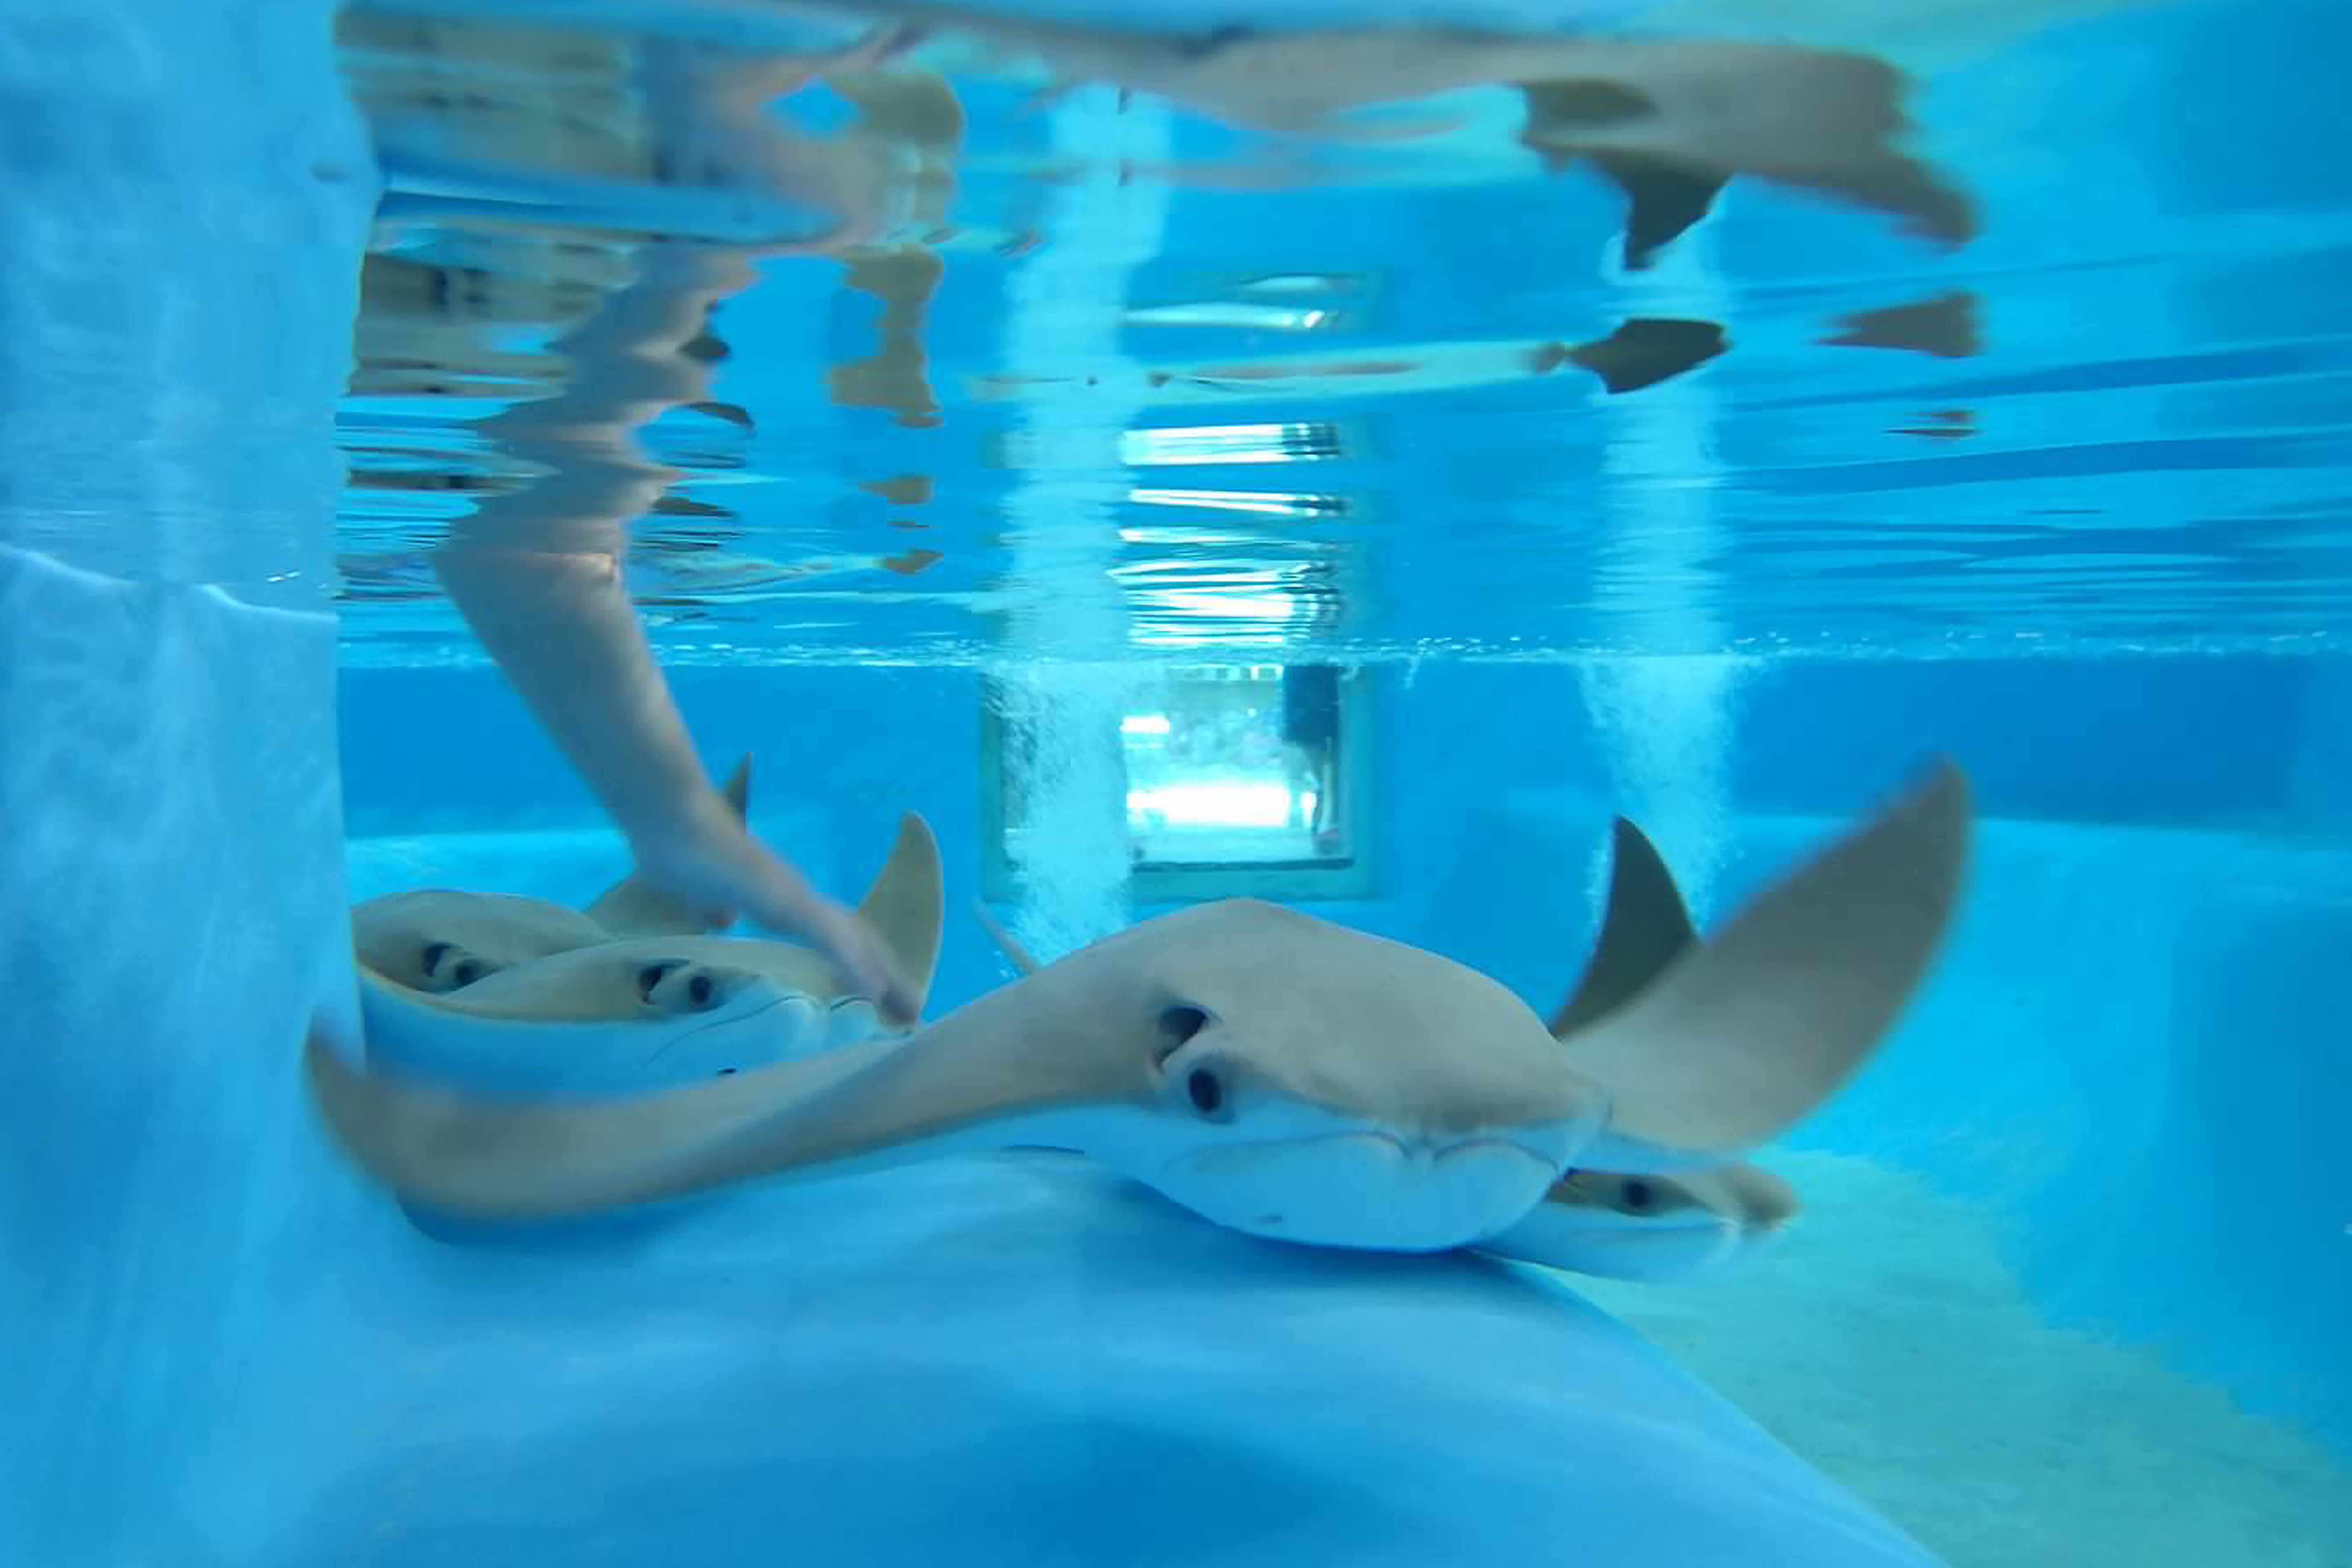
717 870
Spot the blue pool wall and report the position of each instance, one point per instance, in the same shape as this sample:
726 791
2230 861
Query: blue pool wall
2129 1047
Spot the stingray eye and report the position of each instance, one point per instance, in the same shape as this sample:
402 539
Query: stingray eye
650 977
699 992
1206 1089
464 970
1636 1196
1178 1022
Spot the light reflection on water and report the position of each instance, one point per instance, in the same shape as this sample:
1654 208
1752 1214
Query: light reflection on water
1734 334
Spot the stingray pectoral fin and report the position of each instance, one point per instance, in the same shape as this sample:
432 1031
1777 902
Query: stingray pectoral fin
1006 942
1753 1028
737 790
976 1079
483 1155
634 907
906 905
1645 928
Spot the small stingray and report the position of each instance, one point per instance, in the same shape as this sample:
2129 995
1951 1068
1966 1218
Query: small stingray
652 1009
443 939
1271 1071
1695 1225
1945 326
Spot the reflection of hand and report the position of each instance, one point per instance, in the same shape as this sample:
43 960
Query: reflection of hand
717 870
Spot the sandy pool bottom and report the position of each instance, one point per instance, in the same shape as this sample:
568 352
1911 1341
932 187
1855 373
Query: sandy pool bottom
1885 1341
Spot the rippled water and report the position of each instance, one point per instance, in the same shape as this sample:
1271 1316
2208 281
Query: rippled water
2006 326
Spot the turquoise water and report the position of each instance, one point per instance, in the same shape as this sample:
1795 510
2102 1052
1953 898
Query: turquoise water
2094 408
1031 459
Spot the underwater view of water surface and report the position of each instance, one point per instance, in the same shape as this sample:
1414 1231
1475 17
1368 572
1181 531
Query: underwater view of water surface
1420 783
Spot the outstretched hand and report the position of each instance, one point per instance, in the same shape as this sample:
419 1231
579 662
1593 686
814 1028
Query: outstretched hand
719 871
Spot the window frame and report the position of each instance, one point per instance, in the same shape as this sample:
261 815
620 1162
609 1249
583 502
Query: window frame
1353 877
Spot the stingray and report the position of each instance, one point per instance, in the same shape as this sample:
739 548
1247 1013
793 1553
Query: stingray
445 939
1695 1225
1689 1226
1272 1072
640 1010
1692 1226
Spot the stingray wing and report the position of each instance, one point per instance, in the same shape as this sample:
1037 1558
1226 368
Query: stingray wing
1743 1034
634 907
1644 928
973 1079
906 904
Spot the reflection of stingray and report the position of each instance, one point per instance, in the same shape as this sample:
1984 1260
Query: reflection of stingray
674 505
1661 198
1945 326
900 489
1673 123
1644 352
1641 352
732 413
1669 121
1951 424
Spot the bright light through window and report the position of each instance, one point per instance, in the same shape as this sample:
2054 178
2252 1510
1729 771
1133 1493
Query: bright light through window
1236 780
1212 804
1187 445
1221 766
1270 503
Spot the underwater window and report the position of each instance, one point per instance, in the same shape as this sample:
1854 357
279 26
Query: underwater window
1241 780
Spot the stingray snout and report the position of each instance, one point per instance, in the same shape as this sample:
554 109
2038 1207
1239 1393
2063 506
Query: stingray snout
1300 1173
1367 1188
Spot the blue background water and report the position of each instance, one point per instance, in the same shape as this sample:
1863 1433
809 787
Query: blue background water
2154 462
